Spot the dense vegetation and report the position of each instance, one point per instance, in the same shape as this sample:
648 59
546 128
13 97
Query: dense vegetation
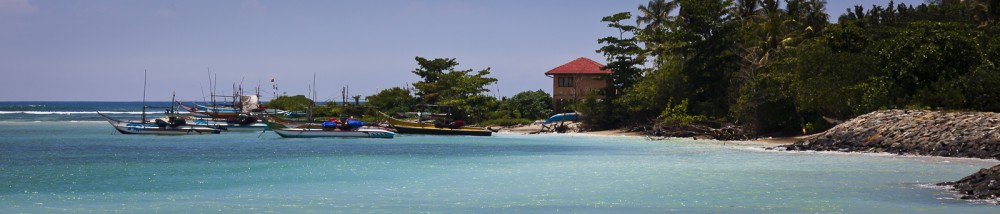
444 89
779 67
291 103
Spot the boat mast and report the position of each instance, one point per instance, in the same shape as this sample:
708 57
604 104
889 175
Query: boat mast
312 92
143 96
215 84
173 99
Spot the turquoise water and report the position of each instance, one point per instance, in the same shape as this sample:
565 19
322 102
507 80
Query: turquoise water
85 167
58 157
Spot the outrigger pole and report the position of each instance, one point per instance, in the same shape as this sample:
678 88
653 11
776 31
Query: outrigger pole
143 96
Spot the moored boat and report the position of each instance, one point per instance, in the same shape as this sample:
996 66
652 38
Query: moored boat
164 128
572 116
208 111
229 126
172 125
351 129
319 132
404 127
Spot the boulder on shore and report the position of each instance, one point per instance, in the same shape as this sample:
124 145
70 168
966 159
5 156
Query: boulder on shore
982 185
953 134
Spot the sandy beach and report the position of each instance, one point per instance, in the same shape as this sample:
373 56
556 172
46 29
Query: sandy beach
537 128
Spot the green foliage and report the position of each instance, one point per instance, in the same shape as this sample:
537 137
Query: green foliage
925 59
644 101
676 115
393 100
446 90
623 54
442 83
291 103
530 105
778 67
707 50
472 109
597 114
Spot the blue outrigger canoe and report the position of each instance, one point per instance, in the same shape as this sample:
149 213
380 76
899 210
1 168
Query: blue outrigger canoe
572 116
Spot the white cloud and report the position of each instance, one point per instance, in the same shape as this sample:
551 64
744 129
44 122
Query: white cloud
17 7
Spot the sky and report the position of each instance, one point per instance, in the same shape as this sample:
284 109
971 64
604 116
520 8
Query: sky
97 50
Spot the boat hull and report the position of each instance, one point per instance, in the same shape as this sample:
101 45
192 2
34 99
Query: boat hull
314 133
127 127
255 127
404 127
563 117
152 129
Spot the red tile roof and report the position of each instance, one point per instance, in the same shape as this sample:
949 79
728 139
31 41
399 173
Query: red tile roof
580 65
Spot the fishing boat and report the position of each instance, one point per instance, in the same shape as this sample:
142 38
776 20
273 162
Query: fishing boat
349 128
158 128
329 129
405 127
240 115
231 125
210 112
168 126
572 116
319 132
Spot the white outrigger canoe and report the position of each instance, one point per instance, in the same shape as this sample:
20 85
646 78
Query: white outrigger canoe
232 127
316 132
129 127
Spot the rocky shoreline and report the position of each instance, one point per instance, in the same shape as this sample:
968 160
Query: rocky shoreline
915 132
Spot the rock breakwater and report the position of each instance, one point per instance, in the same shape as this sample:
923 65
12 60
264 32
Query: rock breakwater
982 185
957 134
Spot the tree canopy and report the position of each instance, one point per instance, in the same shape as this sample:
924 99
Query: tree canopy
779 67
291 103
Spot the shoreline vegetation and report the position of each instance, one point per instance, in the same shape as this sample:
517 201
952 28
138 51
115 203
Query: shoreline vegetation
759 69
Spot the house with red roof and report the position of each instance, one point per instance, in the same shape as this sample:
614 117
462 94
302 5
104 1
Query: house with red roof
573 80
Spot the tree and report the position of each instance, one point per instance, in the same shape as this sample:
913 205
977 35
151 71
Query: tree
624 55
393 100
531 105
442 83
357 99
707 47
291 103
656 16
460 89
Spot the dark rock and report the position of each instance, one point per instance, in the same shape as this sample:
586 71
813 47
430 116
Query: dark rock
983 185
915 132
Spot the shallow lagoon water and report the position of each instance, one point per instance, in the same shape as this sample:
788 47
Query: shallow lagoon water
86 167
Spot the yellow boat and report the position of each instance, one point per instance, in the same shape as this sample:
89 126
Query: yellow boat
404 127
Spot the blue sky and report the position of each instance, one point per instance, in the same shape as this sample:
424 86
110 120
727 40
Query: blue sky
96 50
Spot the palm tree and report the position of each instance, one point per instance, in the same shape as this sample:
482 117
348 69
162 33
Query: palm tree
656 14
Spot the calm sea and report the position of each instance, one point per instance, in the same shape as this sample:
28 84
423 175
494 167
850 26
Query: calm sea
56 157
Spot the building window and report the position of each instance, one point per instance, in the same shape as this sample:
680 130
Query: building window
565 81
